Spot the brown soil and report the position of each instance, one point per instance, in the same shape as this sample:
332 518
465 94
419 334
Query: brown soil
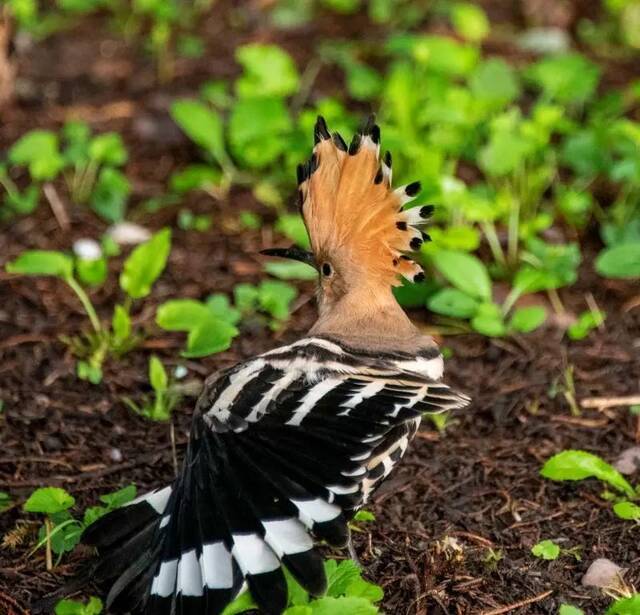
459 497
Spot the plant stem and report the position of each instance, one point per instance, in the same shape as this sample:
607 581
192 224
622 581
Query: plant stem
489 230
48 554
174 454
86 303
556 302
514 223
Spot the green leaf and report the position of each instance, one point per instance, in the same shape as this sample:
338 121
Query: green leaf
195 177
567 609
108 148
621 261
89 372
363 82
244 602
120 497
245 297
465 272
110 194
209 337
488 320
121 324
301 609
292 226
220 306
625 606
39 151
546 549
258 130
145 264
527 319
290 270
48 500
587 321
344 606
73 607
470 21
364 516
568 79
42 262
203 125
5 501
578 465
297 594
627 510
25 202
268 71
275 298
494 83
157 375
92 272
363 589
181 314
453 302
340 576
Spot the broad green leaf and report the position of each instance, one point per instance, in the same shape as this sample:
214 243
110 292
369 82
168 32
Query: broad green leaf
258 130
90 373
195 177
363 589
627 510
268 71
465 272
527 319
120 497
340 575
546 549
587 321
245 297
74 607
578 465
301 609
569 78
625 606
157 375
567 609
344 605
48 500
297 594
108 148
145 264
364 516
209 337
203 125
110 194
453 302
363 82
244 602
292 226
24 202
121 324
622 261
42 262
275 298
220 306
488 320
414 295
290 270
494 83
92 272
470 21
181 314
39 151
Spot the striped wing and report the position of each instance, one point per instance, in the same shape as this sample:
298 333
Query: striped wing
284 449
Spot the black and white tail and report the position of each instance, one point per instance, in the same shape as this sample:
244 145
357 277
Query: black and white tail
284 449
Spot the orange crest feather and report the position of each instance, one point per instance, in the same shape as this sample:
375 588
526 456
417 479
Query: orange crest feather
350 208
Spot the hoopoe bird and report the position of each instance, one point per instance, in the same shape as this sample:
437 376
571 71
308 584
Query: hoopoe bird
286 447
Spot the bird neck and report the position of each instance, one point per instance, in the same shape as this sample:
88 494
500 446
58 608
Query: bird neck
369 317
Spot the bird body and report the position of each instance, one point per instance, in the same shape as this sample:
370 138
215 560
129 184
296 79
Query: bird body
286 446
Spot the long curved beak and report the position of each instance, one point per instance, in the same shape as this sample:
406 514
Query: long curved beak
294 253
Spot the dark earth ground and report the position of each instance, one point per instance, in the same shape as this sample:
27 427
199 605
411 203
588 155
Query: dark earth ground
456 497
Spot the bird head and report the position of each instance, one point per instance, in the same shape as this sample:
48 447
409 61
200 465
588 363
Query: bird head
361 235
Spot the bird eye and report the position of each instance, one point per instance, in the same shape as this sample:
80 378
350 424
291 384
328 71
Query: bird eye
326 269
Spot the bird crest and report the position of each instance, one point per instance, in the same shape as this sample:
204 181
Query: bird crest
351 210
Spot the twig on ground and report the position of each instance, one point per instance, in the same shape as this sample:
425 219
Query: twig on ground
610 402
57 206
517 605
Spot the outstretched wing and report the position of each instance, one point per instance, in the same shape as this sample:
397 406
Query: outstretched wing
284 449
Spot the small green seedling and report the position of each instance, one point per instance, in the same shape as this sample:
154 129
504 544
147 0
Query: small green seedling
61 531
362 516
165 395
587 322
272 298
471 298
567 609
210 325
74 607
546 549
578 465
629 605
347 593
141 269
492 558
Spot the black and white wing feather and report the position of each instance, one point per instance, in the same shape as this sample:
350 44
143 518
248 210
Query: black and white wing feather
284 449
